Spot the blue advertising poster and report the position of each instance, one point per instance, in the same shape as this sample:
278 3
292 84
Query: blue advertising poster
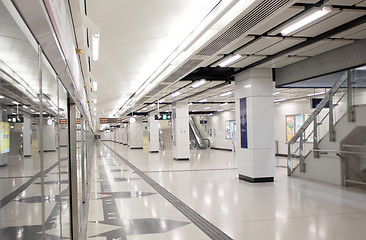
243 123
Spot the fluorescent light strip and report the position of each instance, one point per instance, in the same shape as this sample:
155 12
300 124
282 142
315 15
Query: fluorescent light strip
280 100
176 94
225 94
315 94
311 18
203 100
95 47
199 83
230 60
221 110
223 104
275 93
207 108
95 86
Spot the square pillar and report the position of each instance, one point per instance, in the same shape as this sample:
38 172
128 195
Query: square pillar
153 134
180 131
255 120
135 136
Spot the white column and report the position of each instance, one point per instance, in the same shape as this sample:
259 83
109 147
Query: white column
255 125
180 131
49 135
27 136
153 134
135 136
124 135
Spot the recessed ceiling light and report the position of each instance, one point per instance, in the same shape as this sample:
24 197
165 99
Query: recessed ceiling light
304 21
220 110
152 105
199 83
15 102
144 109
209 114
189 104
275 93
229 60
176 94
161 100
25 107
207 108
223 104
1 96
194 110
203 100
95 47
280 100
225 94
248 86
314 94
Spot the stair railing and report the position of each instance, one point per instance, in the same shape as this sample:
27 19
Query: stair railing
307 138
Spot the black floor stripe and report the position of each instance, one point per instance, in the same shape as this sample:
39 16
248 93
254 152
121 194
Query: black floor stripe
20 189
208 228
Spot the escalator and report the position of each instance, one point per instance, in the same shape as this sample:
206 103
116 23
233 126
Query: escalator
195 137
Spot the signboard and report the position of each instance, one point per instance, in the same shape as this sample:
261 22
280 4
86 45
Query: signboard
110 120
15 118
243 123
63 121
290 127
163 116
203 121
5 137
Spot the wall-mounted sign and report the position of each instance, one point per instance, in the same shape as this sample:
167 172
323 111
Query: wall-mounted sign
203 121
63 121
163 116
243 123
110 120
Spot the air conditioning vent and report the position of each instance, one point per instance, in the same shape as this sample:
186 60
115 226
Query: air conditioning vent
259 13
183 70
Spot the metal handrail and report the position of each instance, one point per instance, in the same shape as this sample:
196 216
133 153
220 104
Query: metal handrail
320 107
336 151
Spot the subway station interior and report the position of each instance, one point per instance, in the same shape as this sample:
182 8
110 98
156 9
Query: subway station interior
182 119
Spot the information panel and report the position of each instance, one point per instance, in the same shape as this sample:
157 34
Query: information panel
4 142
110 120
243 123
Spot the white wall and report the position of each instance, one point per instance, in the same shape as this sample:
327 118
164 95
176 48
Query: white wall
217 122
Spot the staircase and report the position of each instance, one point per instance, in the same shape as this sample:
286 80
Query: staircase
326 147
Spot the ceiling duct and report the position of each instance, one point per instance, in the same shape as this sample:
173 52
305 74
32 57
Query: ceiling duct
183 70
259 13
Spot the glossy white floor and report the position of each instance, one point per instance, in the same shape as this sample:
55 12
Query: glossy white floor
289 208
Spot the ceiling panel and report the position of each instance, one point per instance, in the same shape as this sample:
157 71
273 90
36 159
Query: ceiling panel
247 61
342 17
343 2
275 20
307 13
282 45
362 4
236 44
336 43
258 45
303 51
287 61
358 35
352 31
307 1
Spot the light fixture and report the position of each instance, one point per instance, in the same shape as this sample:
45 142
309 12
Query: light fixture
32 110
189 104
207 108
152 105
194 110
302 22
280 100
95 47
314 94
15 102
203 100
144 109
229 60
95 109
132 120
176 94
225 94
220 110
1 96
199 83
275 93
223 104
161 100
209 114
95 86
248 86
138 111
25 107
95 101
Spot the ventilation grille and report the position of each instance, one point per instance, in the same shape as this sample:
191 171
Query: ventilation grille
157 89
259 13
183 70
142 100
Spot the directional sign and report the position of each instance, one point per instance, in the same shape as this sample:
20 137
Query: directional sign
163 116
110 120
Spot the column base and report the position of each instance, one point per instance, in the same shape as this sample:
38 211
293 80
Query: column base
137 148
4 165
181 159
256 180
154 151
27 155
124 143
